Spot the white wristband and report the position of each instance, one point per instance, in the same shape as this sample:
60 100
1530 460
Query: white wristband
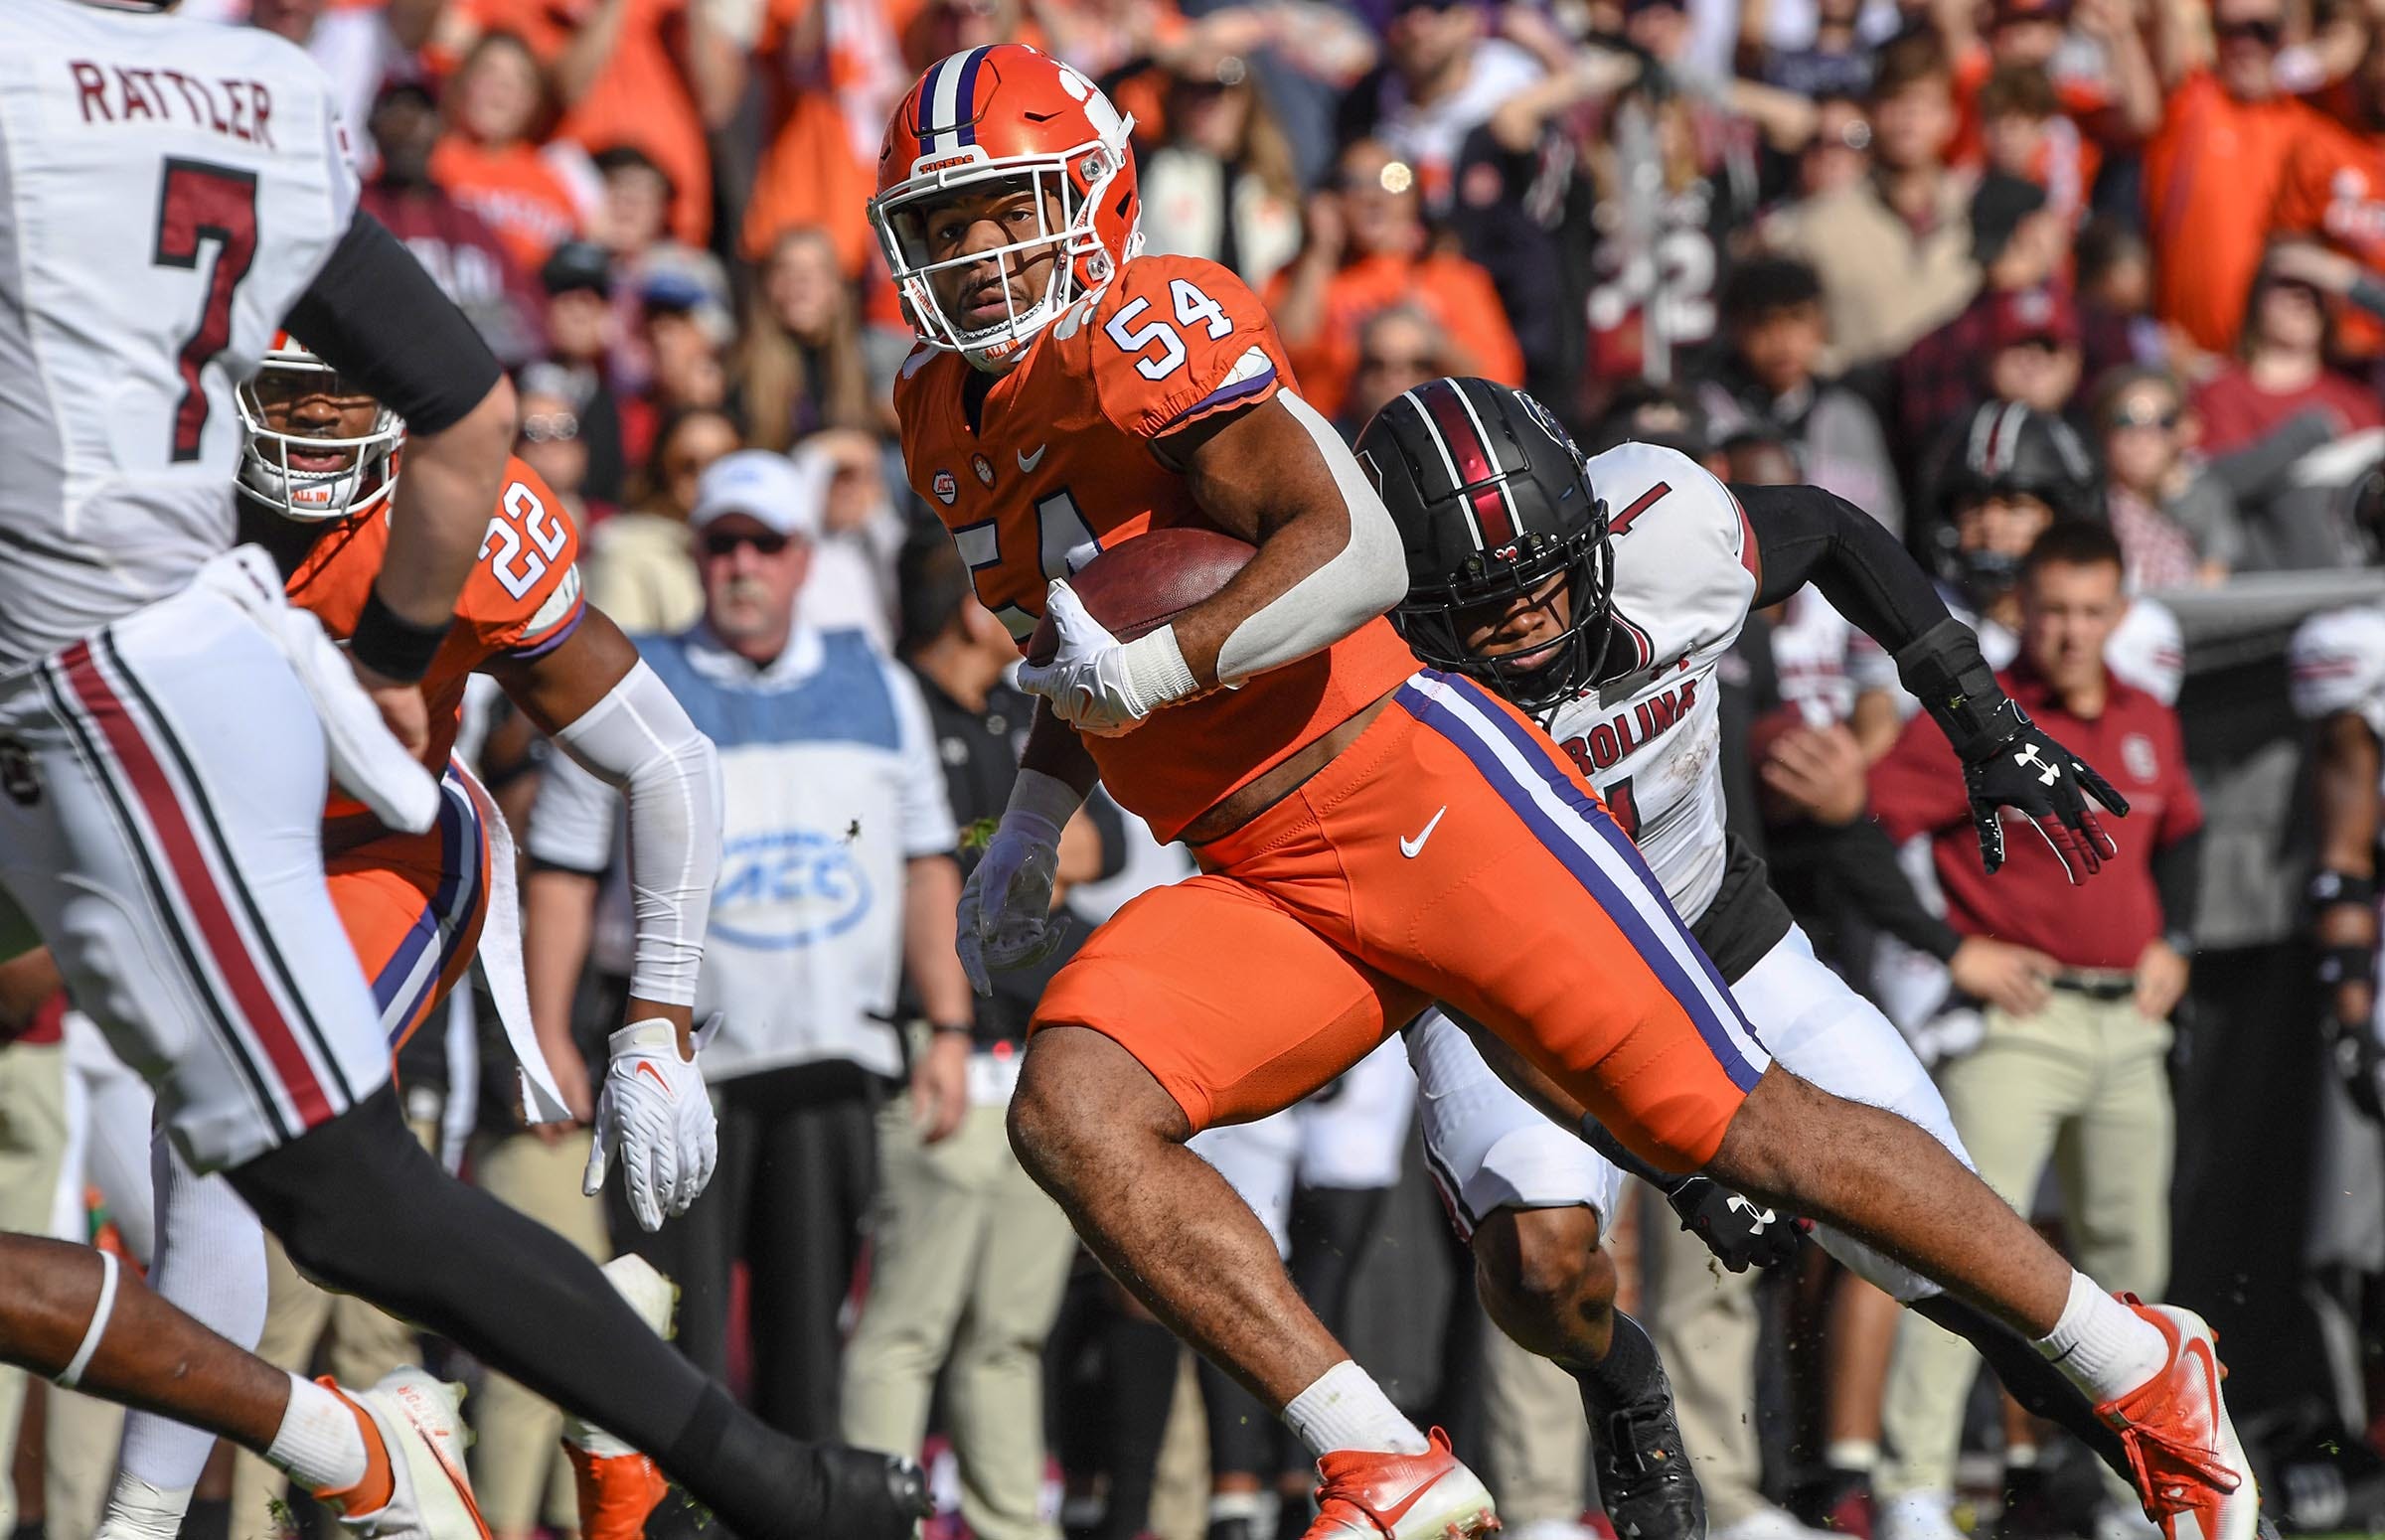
1155 671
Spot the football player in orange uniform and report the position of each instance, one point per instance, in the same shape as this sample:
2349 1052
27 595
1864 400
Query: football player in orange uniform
1371 835
319 462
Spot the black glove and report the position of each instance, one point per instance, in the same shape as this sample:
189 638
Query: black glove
2008 761
2027 769
1738 1230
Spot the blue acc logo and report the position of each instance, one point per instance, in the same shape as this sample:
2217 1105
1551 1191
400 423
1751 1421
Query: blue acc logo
788 888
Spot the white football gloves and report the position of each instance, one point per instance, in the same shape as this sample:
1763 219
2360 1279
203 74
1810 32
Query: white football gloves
655 1118
1005 919
1097 683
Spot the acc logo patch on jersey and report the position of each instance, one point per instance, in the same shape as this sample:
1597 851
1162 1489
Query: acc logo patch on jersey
947 486
983 468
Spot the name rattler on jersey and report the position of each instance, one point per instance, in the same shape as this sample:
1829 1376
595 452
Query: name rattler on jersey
1648 740
163 217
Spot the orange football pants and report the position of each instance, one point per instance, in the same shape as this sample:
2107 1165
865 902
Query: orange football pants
1453 853
413 905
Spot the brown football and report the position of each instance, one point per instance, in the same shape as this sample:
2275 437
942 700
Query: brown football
1145 582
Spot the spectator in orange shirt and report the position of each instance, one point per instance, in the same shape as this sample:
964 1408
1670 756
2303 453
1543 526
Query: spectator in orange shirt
828 73
489 160
1399 349
2118 104
2024 133
2334 190
657 75
2213 172
1368 249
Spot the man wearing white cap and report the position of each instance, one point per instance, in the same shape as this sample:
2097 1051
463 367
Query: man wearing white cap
836 875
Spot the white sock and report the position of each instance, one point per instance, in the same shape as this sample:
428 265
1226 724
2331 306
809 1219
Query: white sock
2103 1347
320 1444
1347 1410
1233 1505
137 1510
1851 1454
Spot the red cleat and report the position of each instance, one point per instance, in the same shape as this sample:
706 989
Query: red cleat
2190 1468
1371 1495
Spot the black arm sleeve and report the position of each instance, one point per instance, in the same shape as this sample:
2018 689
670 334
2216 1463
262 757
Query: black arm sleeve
2178 880
1806 534
377 317
1863 862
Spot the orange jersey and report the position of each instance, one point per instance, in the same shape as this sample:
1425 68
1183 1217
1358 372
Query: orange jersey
2334 190
514 192
522 599
1058 466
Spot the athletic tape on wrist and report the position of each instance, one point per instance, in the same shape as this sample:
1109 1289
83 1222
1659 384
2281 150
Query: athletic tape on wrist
72 1375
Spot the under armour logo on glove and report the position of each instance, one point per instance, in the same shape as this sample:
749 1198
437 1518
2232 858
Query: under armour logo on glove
2018 766
1739 1231
2046 774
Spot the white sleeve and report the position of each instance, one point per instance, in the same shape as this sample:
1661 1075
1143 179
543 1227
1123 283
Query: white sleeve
2149 650
638 738
1367 576
2336 662
927 826
573 820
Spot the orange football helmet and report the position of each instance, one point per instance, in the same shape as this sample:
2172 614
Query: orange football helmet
979 120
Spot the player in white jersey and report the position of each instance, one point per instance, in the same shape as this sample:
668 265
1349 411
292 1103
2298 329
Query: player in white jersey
2336 668
177 193
1600 595
2336 664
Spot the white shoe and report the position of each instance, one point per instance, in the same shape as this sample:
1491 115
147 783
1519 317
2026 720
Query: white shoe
1363 1494
422 1431
1770 1524
2191 1468
1917 1516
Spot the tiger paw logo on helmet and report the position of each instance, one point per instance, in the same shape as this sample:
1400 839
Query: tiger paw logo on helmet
1006 190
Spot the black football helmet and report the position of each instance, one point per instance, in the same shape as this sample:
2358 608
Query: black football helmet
2005 449
1493 500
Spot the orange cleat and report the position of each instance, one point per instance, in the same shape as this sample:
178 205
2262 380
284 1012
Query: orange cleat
2190 1468
1377 1497
616 1492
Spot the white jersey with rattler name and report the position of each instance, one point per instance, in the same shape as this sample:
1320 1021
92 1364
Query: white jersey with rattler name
1650 741
171 189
